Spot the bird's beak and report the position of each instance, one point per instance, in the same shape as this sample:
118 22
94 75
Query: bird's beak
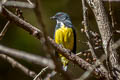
53 17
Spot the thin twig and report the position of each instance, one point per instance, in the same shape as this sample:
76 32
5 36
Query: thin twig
109 67
85 17
111 14
1 4
87 73
116 44
19 66
118 31
88 50
50 75
4 30
3 1
29 2
40 73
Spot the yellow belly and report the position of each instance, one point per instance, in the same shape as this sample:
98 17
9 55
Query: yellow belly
65 37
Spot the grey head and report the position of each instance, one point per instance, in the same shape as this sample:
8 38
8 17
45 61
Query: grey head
60 16
63 18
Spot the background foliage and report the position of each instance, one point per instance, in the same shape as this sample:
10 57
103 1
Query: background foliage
19 39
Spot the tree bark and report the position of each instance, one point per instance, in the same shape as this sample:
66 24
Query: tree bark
106 33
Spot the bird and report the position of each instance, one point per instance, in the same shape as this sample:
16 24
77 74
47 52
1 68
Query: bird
64 35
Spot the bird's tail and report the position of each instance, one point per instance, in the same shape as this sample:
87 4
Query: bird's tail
64 62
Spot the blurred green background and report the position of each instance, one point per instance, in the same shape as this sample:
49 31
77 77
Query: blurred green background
19 39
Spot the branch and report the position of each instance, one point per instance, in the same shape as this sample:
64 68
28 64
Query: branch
29 2
117 31
16 64
89 39
111 14
85 23
38 34
105 31
88 50
116 44
29 57
87 73
18 4
4 30
40 73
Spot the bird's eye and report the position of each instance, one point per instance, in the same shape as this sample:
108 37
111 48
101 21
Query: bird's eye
60 15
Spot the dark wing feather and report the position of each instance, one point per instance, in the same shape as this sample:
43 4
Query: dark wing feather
68 23
74 48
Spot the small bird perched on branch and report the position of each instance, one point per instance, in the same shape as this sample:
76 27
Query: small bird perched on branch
64 35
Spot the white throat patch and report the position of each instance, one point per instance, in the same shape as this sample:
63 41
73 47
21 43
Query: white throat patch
61 23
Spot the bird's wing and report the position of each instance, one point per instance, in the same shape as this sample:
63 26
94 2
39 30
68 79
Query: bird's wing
74 48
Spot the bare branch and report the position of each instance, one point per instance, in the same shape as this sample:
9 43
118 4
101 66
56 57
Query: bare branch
85 17
16 64
111 14
19 4
87 73
118 31
29 57
40 73
116 44
29 2
1 4
89 39
88 50
50 75
106 32
4 30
